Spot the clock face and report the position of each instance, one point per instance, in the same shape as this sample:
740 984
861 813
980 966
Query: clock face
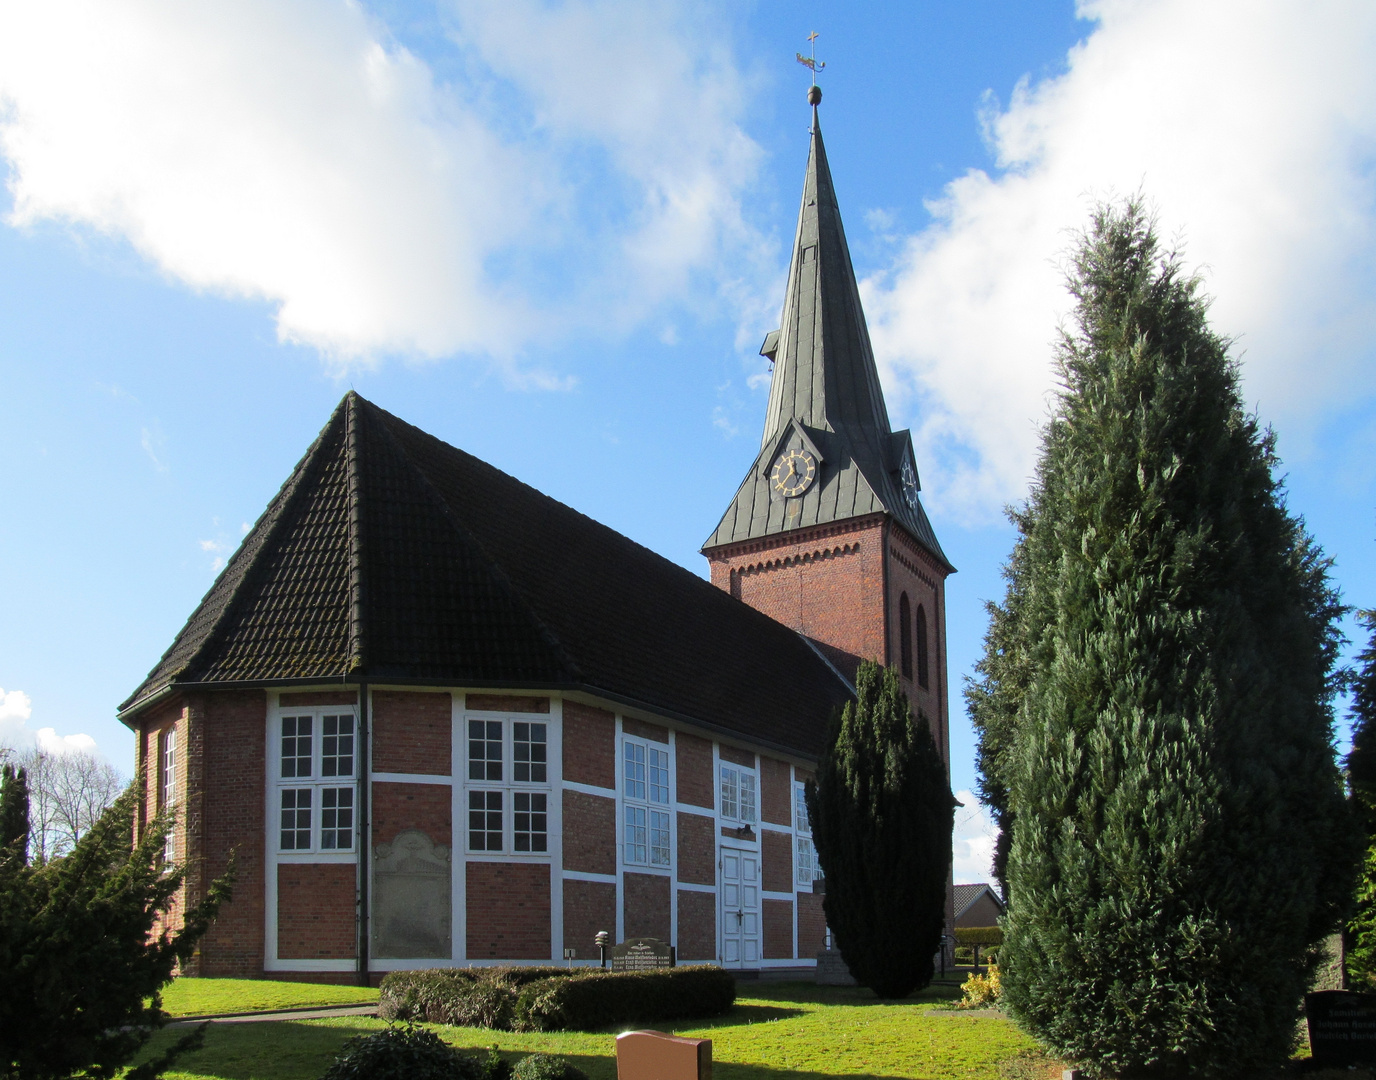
909 484
793 472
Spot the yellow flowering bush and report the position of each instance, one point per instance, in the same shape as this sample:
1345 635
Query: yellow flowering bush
981 991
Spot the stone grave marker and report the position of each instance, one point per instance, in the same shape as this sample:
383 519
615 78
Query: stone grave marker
653 1055
1342 1027
642 954
411 898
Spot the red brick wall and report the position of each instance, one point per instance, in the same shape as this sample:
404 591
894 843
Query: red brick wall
697 850
312 698
697 926
427 807
315 911
777 916
776 791
235 761
737 755
589 907
645 898
812 924
826 582
776 857
508 911
641 730
589 833
983 912
506 703
412 732
589 745
694 771
913 571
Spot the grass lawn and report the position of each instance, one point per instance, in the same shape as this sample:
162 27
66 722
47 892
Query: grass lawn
208 997
776 1029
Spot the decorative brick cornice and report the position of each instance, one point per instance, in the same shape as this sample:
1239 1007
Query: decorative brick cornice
815 534
915 557
795 559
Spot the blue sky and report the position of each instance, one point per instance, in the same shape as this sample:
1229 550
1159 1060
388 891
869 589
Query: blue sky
554 234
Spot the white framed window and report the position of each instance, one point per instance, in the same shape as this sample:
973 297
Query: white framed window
645 832
805 867
507 758
738 794
316 750
167 785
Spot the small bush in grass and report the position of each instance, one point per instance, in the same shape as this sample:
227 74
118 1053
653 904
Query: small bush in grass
552 999
981 991
546 1067
404 1053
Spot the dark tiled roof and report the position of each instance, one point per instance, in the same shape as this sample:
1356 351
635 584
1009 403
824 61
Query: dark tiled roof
825 391
393 556
968 894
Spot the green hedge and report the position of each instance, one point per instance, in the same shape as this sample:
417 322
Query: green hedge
552 998
982 936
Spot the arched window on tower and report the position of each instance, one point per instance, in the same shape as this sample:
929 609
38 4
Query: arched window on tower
922 647
905 637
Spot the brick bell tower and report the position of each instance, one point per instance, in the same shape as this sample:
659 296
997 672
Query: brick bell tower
827 533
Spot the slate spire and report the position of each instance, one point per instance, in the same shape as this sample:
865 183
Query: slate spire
825 396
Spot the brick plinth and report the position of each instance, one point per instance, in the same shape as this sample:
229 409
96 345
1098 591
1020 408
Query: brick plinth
316 913
589 907
646 902
508 911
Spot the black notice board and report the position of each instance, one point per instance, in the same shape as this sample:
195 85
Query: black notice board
1342 1027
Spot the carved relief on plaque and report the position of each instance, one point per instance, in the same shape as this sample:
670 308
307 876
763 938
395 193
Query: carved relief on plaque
412 889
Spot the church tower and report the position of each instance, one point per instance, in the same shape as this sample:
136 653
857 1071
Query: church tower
827 533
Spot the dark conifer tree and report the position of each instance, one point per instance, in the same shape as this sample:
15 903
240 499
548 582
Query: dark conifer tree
1157 699
82 957
882 814
14 814
1361 780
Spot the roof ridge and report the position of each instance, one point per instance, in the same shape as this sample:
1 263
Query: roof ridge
493 567
263 532
357 634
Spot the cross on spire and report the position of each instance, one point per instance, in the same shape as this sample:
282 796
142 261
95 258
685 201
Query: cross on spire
811 62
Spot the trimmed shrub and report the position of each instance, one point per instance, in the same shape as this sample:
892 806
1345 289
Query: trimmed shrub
404 1053
551 999
983 936
546 1067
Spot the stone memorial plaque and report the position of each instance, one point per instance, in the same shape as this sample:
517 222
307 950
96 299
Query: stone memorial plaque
653 1055
1342 1027
412 890
641 954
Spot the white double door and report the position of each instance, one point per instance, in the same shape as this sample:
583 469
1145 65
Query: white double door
740 907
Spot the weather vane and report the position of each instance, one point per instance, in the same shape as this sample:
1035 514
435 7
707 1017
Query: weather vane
811 62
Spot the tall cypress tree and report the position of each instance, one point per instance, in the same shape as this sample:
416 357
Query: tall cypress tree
882 815
14 814
1157 691
1361 779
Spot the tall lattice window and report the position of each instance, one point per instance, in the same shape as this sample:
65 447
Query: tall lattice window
922 663
167 785
645 803
738 794
806 869
316 750
506 759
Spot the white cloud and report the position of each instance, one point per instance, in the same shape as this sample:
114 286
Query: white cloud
152 443
972 841
297 154
16 709
1252 127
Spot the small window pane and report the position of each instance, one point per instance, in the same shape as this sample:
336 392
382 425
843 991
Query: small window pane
806 861
529 744
800 821
485 820
296 747
635 837
748 797
337 819
659 838
484 750
296 819
530 825
659 775
635 770
730 792
336 746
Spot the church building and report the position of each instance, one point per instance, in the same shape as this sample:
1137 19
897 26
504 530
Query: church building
442 719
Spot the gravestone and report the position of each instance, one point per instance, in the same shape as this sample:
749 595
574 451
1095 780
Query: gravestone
641 954
412 883
653 1055
832 970
1342 1027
